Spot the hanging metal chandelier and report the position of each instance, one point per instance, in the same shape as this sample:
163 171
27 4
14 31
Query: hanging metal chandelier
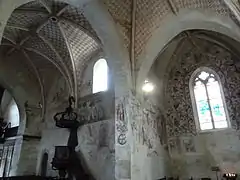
68 118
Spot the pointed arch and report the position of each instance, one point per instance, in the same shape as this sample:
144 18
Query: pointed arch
172 25
208 101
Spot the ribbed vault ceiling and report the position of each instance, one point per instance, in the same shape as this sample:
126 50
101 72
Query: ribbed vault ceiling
50 33
188 40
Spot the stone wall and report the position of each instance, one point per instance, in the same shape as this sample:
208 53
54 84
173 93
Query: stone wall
95 148
87 80
28 157
18 80
96 140
193 153
149 158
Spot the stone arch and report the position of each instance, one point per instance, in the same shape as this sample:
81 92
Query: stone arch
19 95
105 29
174 25
118 58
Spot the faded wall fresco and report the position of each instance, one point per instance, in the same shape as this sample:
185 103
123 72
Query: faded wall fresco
96 107
96 140
96 148
149 156
178 100
121 120
193 154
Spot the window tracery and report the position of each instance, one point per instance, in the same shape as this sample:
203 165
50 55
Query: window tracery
208 100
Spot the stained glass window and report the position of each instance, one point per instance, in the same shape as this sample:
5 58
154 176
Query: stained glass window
209 101
100 76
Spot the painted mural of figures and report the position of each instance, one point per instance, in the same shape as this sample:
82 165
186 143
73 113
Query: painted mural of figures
93 111
121 124
120 112
84 112
96 111
90 111
188 145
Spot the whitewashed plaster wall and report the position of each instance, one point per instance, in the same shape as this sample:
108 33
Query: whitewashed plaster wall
86 86
87 81
194 156
22 85
194 153
107 31
96 140
28 157
149 158
96 148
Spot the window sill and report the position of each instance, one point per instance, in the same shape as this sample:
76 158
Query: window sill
229 129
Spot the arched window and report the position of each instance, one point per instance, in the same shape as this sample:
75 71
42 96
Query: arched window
208 100
100 76
9 109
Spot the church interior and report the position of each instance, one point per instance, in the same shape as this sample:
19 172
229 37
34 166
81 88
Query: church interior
120 89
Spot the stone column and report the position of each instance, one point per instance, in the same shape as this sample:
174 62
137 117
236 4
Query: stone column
120 74
122 139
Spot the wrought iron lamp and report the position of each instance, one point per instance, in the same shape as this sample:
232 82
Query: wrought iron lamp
63 154
68 118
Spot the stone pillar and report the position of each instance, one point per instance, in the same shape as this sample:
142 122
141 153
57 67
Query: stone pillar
120 74
28 156
122 139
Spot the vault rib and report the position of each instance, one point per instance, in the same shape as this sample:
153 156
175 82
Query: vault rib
7 44
55 64
212 40
40 26
72 60
60 59
29 10
29 61
68 21
24 40
9 39
172 7
17 27
62 10
10 51
46 7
